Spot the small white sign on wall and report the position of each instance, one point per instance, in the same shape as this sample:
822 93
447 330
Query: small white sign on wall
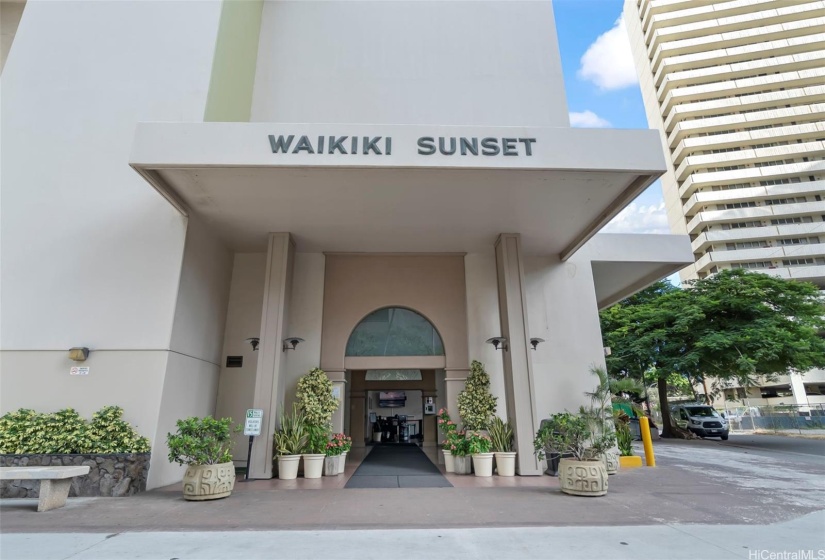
254 419
79 370
336 392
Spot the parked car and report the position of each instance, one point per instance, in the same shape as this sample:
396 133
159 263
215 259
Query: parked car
700 419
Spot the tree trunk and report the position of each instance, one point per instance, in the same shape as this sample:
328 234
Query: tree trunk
663 406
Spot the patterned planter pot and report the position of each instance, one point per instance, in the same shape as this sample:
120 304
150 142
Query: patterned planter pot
583 478
208 482
611 461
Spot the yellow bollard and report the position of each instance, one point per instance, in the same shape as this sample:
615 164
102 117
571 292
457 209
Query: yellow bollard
650 459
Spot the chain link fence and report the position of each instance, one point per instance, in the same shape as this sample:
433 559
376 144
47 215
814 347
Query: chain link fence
777 419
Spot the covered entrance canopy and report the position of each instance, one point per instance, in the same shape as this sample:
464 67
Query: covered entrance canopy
393 188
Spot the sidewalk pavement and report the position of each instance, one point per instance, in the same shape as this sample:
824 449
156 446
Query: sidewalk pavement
676 542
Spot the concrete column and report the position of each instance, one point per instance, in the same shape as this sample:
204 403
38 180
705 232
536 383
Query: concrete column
454 384
798 389
339 388
269 377
518 368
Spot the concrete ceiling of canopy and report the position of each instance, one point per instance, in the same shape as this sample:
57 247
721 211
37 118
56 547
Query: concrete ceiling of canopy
575 181
623 264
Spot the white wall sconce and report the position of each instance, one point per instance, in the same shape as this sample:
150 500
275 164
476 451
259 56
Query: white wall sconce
534 342
254 341
498 342
291 342
78 354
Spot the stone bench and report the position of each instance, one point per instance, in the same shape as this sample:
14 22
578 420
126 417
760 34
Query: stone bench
54 482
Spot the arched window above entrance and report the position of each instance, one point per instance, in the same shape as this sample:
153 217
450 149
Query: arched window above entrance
395 331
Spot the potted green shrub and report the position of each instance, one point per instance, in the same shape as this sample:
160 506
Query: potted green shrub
314 397
478 446
448 427
289 442
501 435
476 405
569 435
203 445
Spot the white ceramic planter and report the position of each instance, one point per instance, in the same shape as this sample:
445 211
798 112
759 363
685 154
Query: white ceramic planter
506 463
483 464
463 465
583 478
288 466
449 464
208 482
313 465
342 462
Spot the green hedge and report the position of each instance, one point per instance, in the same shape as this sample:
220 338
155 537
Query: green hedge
26 432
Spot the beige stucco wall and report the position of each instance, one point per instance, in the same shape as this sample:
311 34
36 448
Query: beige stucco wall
357 285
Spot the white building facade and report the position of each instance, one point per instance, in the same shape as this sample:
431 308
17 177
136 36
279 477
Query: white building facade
180 177
737 89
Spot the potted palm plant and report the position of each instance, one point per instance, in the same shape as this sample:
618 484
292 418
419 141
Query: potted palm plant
203 445
289 442
501 435
569 435
600 417
478 446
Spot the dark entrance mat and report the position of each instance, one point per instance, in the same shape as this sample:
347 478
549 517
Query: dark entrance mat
397 466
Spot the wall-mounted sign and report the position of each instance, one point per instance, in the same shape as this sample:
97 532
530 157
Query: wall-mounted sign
254 420
382 145
79 370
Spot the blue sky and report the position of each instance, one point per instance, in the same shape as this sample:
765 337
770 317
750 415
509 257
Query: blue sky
602 90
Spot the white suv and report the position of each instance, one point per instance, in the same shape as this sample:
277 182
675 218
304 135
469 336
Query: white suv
700 419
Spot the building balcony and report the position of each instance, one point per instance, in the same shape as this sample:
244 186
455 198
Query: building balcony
795 78
784 63
706 198
694 12
649 8
789 133
763 254
786 115
768 233
705 43
742 22
759 213
813 273
800 169
796 96
750 156
720 58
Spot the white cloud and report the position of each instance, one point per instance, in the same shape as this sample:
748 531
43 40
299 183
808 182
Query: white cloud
637 218
608 62
588 119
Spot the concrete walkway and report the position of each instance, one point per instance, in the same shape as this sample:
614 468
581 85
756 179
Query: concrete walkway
661 542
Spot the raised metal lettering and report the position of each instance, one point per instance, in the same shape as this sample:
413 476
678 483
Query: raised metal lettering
337 144
426 145
303 145
280 144
489 146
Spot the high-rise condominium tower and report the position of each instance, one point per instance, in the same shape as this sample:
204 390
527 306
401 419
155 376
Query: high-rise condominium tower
737 89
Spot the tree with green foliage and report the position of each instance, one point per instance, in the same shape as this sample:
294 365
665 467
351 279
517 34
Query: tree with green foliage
735 325
476 405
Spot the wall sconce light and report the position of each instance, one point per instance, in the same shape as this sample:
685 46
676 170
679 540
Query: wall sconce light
78 354
254 341
535 342
497 341
291 342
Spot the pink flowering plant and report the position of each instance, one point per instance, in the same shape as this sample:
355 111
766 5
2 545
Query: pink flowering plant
459 444
340 443
448 427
